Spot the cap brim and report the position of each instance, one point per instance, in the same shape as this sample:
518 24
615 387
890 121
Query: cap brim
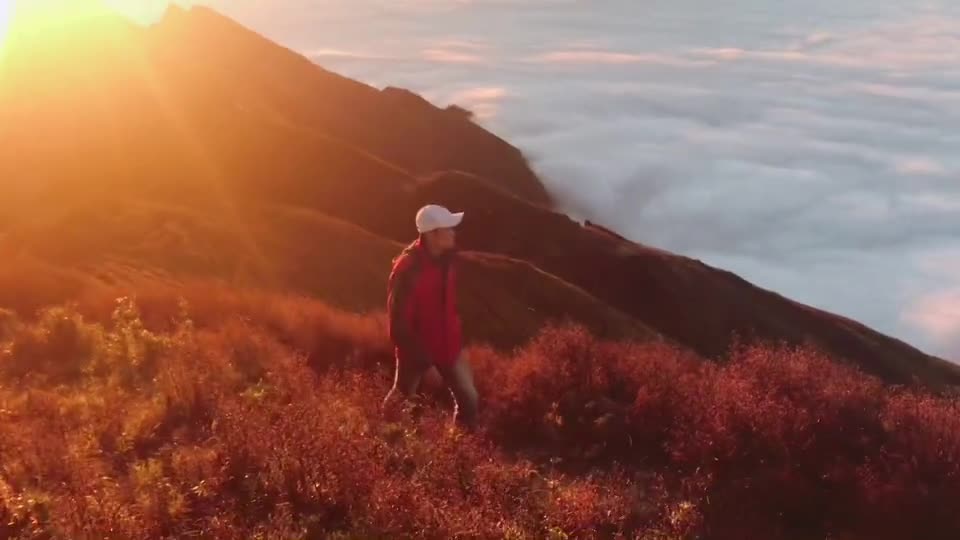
455 219
449 222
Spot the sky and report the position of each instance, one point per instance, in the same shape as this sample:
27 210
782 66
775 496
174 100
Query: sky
807 145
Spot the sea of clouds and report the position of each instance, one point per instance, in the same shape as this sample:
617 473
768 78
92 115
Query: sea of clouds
811 146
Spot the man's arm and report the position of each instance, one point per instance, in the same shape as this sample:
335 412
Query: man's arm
399 308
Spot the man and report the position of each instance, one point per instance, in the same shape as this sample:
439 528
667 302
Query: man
423 320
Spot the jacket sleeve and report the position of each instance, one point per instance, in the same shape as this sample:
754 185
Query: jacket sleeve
399 307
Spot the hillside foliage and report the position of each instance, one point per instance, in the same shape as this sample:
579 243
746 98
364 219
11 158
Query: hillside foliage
203 412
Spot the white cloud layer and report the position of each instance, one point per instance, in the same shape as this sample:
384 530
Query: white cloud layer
809 146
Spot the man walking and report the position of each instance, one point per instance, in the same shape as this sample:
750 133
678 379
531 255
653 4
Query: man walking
424 322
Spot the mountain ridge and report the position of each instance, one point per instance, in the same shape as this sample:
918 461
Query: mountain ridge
421 139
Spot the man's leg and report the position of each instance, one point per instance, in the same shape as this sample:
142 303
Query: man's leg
406 382
459 377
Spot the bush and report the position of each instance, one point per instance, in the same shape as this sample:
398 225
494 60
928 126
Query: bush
59 347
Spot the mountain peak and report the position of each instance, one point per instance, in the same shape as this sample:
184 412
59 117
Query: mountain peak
177 14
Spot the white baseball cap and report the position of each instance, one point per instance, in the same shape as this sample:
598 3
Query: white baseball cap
432 217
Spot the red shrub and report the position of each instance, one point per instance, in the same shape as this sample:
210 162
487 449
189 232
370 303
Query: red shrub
780 440
579 398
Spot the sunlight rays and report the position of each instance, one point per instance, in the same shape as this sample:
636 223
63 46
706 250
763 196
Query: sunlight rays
208 167
110 65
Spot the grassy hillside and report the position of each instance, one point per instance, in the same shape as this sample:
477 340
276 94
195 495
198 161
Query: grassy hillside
209 412
286 249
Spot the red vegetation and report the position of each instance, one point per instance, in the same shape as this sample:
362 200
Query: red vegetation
216 414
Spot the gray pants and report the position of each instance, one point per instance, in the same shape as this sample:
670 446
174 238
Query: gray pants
458 377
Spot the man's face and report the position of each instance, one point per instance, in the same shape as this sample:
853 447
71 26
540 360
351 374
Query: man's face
443 239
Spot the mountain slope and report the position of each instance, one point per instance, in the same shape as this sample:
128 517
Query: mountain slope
267 157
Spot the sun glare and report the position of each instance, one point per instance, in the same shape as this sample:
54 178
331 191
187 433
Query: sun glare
53 13
6 13
142 11
29 19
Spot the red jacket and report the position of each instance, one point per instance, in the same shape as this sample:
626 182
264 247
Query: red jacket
422 305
